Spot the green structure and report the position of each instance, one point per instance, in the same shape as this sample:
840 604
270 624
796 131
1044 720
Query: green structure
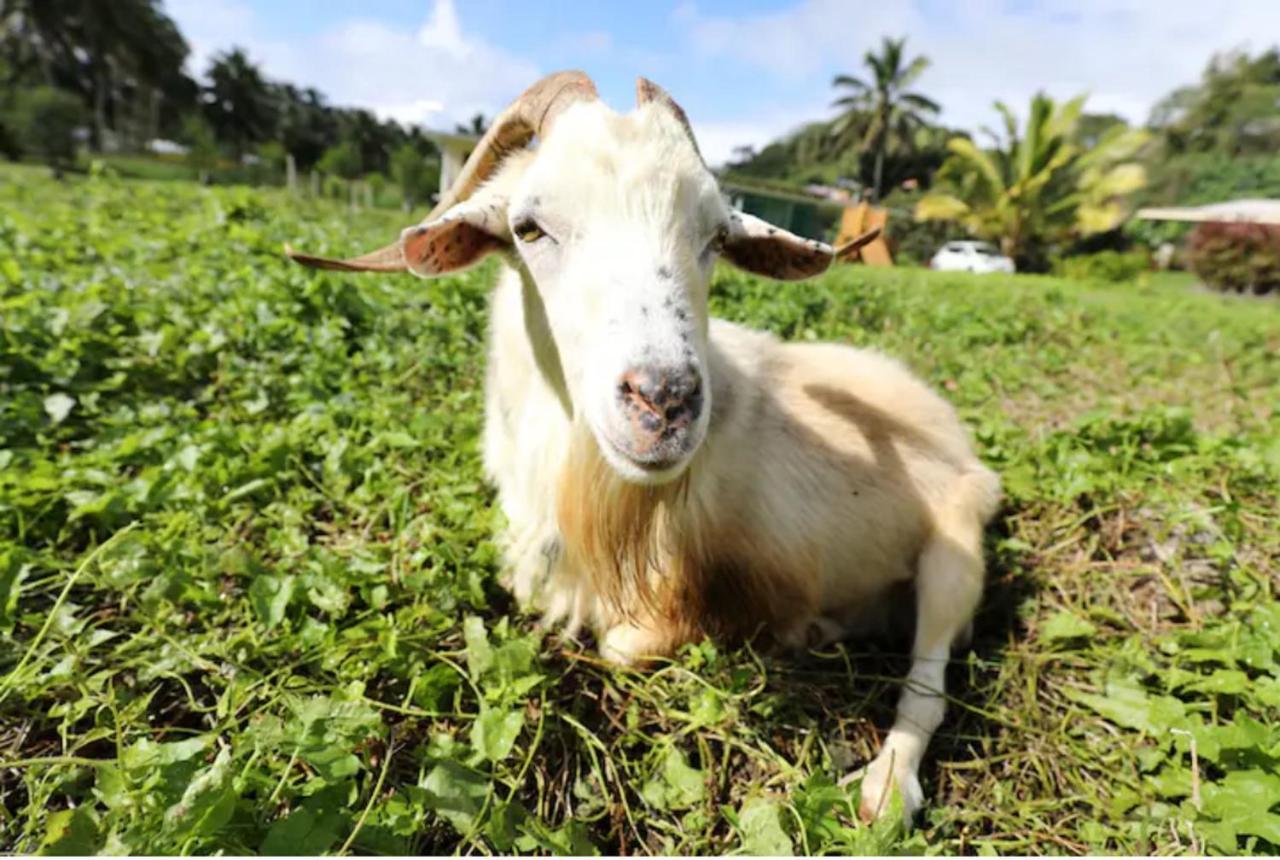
801 213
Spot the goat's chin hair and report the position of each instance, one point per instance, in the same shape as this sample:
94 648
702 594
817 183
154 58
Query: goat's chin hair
620 532
651 550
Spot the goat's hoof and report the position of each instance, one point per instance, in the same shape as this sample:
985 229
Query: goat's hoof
878 781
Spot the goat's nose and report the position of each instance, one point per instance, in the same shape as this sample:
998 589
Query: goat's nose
661 400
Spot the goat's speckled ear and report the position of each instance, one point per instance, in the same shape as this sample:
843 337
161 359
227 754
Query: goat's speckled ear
459 238
764 249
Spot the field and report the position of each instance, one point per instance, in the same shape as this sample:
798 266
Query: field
248 595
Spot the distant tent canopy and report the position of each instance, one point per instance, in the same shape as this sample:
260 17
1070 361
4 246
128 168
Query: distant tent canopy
1237 211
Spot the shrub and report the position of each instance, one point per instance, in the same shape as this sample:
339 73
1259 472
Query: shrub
202 147
270 166
45 120
342 160
1114 267
416 175
915 242
1236 257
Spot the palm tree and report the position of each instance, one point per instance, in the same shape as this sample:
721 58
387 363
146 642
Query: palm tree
884 112
1036 183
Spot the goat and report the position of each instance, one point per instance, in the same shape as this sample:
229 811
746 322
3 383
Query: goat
666 476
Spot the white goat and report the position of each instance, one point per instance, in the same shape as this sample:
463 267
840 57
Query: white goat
667 476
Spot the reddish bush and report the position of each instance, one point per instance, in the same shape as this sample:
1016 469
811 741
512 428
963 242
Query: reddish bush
1242 258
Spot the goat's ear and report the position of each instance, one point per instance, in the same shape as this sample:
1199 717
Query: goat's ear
460 237
760 247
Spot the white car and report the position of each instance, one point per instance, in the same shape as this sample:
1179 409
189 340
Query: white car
980 257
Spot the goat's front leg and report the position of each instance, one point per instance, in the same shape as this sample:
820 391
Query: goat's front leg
644 637
948 587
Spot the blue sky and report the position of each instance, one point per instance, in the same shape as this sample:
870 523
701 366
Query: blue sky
745 71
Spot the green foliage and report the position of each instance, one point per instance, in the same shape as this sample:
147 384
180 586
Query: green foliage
1195 178
1038 185
1239 258
45 121
299 645
915 242
341 160
417 177
1232 111
270 165
1114 267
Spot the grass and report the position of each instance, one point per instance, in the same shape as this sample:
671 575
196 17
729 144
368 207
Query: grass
247 570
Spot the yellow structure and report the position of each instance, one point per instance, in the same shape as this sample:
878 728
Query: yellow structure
857 220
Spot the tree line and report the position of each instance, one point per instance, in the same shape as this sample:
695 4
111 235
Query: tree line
116 70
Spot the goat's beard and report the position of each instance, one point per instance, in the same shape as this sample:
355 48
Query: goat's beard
655 555
622 535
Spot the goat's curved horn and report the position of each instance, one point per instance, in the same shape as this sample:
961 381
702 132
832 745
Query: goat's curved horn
389 258
529 115
647 91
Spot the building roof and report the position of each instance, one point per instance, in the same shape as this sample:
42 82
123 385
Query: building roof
1246 211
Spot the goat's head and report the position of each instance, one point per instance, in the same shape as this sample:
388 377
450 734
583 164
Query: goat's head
618 222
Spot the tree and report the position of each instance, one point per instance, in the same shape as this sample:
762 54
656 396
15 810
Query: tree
237 101
883 112
1233 110
1093 127
1037 185
306 125
123 58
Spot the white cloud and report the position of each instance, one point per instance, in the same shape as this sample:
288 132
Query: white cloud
436 76
1125 53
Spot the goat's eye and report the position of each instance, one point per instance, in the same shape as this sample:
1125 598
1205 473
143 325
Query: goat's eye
717 243
528 231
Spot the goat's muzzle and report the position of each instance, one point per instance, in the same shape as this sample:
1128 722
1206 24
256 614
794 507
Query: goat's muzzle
661 406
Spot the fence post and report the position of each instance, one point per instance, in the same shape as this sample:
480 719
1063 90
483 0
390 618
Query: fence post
290 172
